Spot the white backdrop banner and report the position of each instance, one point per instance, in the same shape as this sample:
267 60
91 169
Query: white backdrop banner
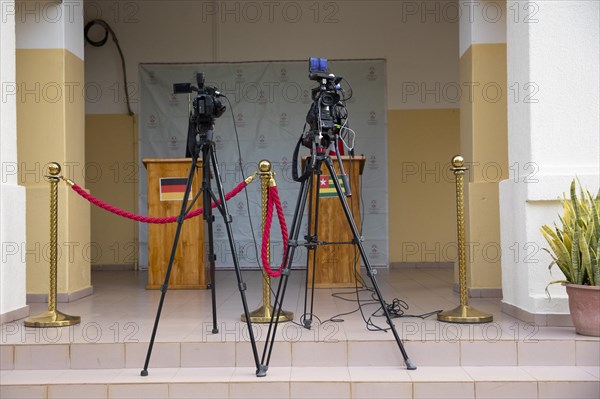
270 101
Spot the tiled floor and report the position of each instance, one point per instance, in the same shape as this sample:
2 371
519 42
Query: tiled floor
102 356
122 311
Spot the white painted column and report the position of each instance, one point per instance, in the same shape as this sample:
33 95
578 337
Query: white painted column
12 196
553 133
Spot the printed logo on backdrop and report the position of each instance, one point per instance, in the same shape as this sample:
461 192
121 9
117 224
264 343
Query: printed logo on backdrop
284 120
283 75
373 164
240 208
173 100
286 208
374 252
242 253
374 207
262 141
372 120
219 230
306 98
239 75
218 142
173 143
262 98
152 122
152 78
372 73
240 120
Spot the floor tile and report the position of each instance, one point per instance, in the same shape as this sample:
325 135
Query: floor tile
546 353
23 392
382 390
97 356
7 357
265 390
587 353
506 390
206 390
445 390
319 389
138 391
164 354
41 357
569 389
74 391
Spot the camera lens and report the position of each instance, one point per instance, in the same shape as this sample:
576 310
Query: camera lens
328 99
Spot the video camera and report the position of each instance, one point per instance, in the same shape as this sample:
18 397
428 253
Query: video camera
325 112
206 108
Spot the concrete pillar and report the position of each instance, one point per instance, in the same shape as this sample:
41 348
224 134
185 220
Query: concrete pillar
50 126
483 137
553 73
12 195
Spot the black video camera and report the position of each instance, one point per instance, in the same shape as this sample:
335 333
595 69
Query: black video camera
324 113
206 108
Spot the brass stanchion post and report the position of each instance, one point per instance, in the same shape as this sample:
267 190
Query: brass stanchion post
463 313
264 313
52 317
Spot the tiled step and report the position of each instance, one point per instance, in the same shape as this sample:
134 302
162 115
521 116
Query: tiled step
568 352
307 382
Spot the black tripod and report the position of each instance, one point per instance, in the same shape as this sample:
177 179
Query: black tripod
204 142
313 167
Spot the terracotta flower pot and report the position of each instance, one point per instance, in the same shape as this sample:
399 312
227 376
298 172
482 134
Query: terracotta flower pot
584 304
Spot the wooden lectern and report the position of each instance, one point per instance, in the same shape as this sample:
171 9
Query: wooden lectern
166 179
336 263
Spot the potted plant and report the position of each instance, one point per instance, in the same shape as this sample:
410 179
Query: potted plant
575 249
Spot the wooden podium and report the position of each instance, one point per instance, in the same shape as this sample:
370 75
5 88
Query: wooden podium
166 179
336 263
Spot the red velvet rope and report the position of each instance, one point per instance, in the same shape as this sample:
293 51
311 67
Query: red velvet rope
273 198
147 219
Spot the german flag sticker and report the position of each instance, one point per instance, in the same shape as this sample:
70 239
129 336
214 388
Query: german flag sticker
173 188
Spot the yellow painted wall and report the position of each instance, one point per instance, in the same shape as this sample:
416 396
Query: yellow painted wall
50 127
421 144
484 143
111 152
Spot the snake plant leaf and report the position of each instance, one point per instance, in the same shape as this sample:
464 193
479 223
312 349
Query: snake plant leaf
577 272
595 214
559 253
574 201
574 245
596 265
586 259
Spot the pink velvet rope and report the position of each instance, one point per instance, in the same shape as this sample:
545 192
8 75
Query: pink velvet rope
273 198
147 219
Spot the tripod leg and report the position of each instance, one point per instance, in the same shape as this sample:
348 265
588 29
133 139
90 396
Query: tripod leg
313 236
209 218
357 239
283 280
165 285
241 284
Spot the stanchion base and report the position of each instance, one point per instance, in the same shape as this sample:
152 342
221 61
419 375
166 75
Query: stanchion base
465 314
263 315
52 318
